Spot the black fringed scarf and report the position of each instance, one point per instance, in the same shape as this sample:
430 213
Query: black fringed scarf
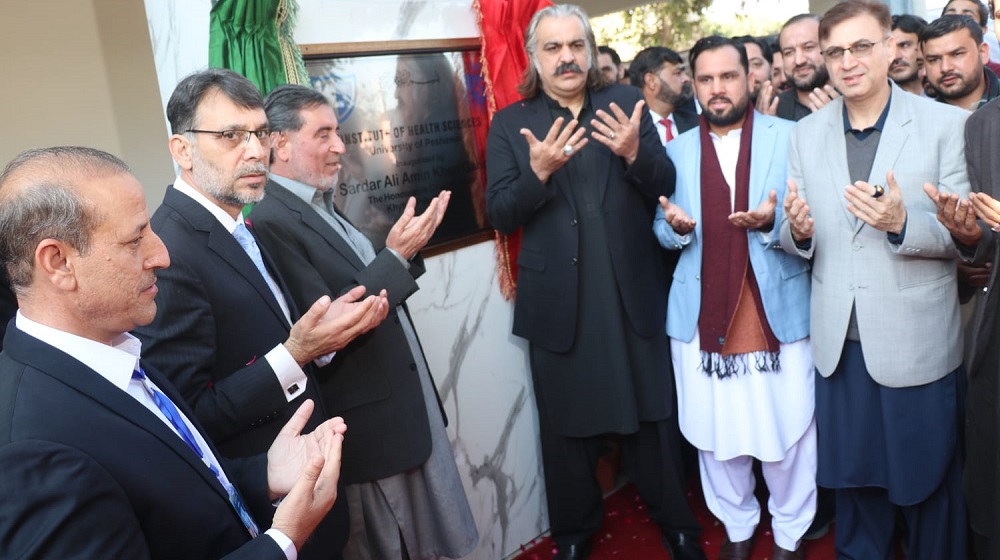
732 326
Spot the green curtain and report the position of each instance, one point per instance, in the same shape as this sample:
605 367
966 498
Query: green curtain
254 38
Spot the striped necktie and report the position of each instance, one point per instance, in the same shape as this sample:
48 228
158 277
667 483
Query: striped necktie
173 415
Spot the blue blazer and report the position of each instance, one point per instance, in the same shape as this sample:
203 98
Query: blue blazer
784 283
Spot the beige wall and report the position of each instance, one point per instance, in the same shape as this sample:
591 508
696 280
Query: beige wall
82 72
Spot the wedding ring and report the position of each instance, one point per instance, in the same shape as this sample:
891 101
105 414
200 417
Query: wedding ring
612 135
879 191
568 150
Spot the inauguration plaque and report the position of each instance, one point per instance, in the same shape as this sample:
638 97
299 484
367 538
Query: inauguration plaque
413 122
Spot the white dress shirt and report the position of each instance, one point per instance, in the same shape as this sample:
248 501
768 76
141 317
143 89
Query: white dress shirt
116 364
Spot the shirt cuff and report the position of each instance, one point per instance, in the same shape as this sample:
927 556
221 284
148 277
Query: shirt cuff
405 262
286 544
324 360
897 238
289 374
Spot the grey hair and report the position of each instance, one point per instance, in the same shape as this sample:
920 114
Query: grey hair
48 206
531 82
285 103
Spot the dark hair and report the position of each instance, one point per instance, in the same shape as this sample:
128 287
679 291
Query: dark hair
48 206
285 103
712 43
604 49
984 12
765 49
792 21
908 23
650 59
951 23
531 82
844 11
192 90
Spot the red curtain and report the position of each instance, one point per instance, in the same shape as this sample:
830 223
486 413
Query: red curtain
502 24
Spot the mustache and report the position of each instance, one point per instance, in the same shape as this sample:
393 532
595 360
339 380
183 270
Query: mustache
947 75
252 168
568 67
720 98
900 63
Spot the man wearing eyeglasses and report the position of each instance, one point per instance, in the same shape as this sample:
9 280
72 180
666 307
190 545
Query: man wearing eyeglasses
227 334
865 174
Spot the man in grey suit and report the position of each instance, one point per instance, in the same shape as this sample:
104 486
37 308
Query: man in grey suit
884 320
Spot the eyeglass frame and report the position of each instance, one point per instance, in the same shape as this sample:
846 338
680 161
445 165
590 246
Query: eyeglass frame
263 135
865 45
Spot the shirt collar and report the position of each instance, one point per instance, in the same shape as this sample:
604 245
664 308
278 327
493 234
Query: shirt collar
114 363
308 193
879 124
555 106
224 218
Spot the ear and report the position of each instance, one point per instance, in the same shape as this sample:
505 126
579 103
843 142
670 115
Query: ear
650 81
281 147
55 263
180 149
984 52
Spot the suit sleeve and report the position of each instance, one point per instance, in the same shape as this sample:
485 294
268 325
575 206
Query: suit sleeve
180 343
296 258
59 503
795 175
513 192
925 236
977 160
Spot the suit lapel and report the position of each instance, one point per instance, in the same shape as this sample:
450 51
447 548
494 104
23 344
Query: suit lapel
760 161
893 138
311 219
837 161
67 370
223 244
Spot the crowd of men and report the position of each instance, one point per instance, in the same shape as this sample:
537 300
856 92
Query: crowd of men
761 248
823 205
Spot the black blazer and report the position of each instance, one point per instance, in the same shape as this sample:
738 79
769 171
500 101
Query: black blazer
88 472
547 284
372 382
215 320
686 116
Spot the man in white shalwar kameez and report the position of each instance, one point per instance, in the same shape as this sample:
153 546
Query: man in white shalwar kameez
738 313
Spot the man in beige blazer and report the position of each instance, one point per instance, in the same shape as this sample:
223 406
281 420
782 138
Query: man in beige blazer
884 319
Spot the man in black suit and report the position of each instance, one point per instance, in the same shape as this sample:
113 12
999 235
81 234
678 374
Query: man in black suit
663 78
227 333
380 383
100 456
580 176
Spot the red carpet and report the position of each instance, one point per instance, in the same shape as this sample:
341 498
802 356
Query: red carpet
628 533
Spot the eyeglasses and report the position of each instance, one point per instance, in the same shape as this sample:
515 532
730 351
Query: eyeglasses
234 138
860 49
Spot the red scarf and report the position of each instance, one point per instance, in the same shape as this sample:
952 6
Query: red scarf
732 326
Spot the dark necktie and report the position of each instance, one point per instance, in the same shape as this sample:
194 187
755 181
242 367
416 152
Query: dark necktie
177 421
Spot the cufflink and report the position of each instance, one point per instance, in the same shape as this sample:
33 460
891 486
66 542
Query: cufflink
293 388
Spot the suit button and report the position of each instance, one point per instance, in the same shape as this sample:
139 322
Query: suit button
413 366
573 260
722 341
573 222
857 246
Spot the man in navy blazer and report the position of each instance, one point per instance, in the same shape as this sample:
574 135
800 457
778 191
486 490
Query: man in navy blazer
227 334
92 467
581 177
